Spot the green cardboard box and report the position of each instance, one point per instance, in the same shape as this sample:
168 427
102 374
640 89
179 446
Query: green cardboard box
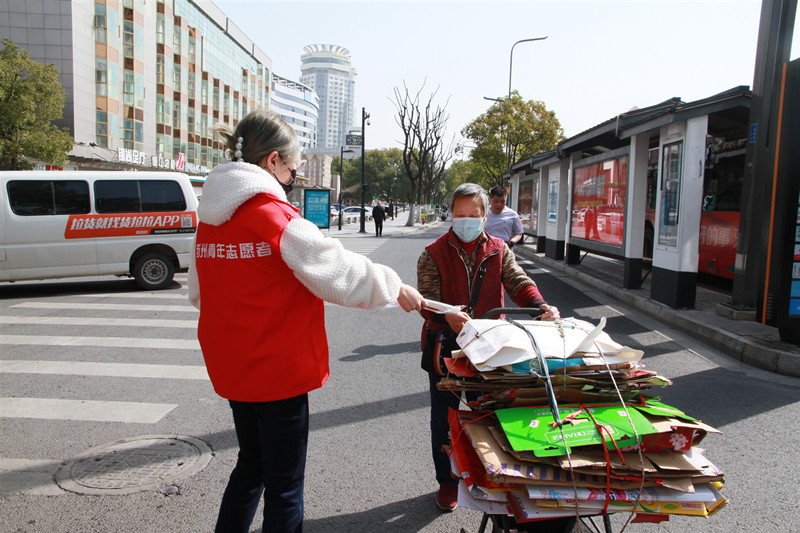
531 428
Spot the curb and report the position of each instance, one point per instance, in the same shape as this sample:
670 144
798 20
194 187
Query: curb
749 352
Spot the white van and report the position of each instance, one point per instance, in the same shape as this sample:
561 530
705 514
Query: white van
88 223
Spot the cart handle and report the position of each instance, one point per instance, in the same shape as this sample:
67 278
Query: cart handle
533 311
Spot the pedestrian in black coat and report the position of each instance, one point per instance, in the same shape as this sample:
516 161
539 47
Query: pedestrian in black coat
378 215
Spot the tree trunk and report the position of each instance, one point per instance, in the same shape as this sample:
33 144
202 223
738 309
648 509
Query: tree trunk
411 214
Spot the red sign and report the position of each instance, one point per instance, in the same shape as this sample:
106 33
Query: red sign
129 224
719 235
598 206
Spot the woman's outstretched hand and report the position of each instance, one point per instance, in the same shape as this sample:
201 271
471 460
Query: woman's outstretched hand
410 299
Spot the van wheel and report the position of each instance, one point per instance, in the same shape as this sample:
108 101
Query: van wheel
153 271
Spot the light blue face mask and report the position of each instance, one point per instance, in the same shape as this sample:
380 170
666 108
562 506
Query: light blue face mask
467 229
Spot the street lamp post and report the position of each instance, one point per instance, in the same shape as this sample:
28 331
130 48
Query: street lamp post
511 57
341 181
364 120
510 70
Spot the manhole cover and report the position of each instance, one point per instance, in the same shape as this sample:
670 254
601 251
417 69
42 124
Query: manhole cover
134 464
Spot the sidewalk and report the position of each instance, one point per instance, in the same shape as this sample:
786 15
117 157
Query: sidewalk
748 341
390 227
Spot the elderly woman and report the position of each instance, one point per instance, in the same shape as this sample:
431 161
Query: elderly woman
468 267
263 272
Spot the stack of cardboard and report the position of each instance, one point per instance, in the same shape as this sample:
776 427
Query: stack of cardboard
562 428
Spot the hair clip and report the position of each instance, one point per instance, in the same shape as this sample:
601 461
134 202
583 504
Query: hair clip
238 152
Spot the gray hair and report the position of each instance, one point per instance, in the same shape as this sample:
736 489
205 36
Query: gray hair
470 189
262 133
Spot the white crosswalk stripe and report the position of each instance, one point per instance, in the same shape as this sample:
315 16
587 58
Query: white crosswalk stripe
106 342
81 368
97 411
106 307
361 245
99 322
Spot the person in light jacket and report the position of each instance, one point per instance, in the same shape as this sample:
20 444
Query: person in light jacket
259 275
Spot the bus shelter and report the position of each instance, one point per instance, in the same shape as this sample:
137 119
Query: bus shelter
659 187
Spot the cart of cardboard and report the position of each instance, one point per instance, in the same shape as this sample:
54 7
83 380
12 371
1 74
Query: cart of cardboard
617 449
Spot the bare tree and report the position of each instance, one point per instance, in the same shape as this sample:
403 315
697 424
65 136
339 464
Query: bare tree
425 155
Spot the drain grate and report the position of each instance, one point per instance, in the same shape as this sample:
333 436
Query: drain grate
134 464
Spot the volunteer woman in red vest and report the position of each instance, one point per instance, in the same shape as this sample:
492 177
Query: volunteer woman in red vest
262 273
449 271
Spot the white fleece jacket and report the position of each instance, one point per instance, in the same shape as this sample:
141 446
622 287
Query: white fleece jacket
320 263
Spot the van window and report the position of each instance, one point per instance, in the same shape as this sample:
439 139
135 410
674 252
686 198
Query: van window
134 196
57 197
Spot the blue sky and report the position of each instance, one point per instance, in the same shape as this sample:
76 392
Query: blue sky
599 59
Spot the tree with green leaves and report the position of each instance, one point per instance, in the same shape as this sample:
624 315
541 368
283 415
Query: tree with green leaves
511 130
383 172
460 172
30 97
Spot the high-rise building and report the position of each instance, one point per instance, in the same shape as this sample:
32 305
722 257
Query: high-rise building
298 105
147 80
327 69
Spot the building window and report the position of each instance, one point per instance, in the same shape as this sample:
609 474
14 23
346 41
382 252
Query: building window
160 69
160 108
127 133
226 104
101 77
215 102
191 50
190 120
128 89
204 93
160 145
127 38
191 86
101 121
100 25
160 28
176 115
204 125
176 40
176 76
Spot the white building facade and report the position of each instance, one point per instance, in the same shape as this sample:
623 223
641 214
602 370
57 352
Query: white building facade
328 70
298 105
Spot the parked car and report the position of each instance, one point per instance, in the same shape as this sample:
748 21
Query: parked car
356 210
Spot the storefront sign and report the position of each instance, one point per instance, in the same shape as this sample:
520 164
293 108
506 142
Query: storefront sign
135 157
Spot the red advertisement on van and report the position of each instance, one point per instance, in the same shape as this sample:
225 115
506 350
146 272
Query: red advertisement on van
129 224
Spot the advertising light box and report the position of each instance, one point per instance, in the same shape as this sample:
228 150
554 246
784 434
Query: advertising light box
317 207
598 201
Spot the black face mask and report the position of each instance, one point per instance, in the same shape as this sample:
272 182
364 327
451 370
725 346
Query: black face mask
287 187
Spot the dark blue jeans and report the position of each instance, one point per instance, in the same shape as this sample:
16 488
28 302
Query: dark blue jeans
273 439
441 401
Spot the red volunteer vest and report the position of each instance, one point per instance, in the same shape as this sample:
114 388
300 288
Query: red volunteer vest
456 282
261 331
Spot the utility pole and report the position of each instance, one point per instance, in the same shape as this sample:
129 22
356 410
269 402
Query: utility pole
364 122
773 50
